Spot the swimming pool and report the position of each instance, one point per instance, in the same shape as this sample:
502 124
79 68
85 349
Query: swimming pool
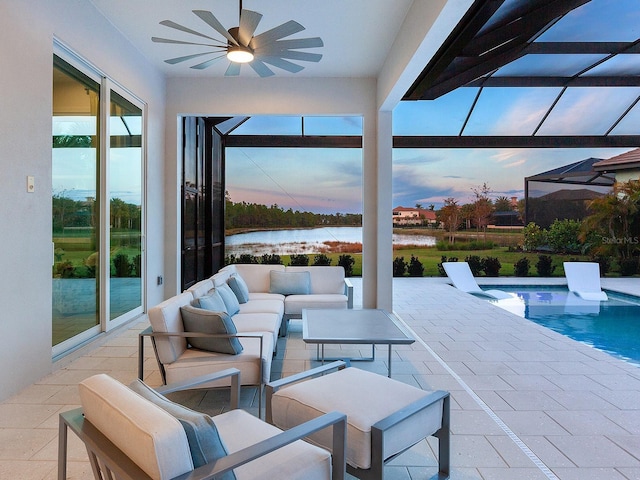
612 326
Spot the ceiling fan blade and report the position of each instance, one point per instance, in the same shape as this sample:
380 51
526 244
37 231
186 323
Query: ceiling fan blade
303 56
182 28
249 21
213 22
276 33
261 69
181 42
294 43
283 64
207 64
233 70
173 61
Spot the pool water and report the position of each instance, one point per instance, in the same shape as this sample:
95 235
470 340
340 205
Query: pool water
612 326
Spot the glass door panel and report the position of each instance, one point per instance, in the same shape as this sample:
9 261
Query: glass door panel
75 161
125 207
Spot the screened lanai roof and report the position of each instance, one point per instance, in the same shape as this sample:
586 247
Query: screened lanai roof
578 173
536 73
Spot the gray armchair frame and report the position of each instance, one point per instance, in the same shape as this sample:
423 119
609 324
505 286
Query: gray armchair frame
108 461
148 332
378 430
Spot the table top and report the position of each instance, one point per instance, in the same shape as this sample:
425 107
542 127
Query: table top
366 326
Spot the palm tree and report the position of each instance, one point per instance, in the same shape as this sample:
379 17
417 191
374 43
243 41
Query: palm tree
614 223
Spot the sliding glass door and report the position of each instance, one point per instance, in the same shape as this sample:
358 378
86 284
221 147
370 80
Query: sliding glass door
125 207
97 205
75 202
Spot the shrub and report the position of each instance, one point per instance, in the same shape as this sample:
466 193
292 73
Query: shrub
271 259
442 260
415 268
63 269
399 267
229 259
475 264
122 265
321 260
247 258
299 260
534 237
521 267
137 266
491 266
628 266
604 262
563 236
346 262
544 266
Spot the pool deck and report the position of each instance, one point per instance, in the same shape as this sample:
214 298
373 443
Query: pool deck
528 403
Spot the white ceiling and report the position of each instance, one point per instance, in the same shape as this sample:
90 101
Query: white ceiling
357 34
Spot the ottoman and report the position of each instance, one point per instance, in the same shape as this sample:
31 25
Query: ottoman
385 417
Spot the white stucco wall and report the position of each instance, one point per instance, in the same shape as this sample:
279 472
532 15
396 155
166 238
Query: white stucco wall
27 30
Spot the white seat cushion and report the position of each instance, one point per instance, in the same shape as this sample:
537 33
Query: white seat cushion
365 398
297 461
255 305
148 435
258 322
294 304
193 363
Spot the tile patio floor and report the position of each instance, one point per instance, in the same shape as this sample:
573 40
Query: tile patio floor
528 403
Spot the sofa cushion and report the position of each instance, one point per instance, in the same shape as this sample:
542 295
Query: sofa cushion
324 279
229 298
290 283
148 435
350 389
194 362
239 288
207 321
294 304
256 275
166 318
204 440
201 288
211 301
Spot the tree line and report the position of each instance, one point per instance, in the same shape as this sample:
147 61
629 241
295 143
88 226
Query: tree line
250 215
478 214
82 213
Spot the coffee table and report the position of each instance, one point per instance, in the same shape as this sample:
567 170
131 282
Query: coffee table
353 327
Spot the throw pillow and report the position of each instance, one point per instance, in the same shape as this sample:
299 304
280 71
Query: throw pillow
239 287
229 298
290 283
204 440
205 321
210 301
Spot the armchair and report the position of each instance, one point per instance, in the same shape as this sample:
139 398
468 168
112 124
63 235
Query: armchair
129 437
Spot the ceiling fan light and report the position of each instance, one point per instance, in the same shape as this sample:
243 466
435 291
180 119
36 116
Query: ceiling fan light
239 54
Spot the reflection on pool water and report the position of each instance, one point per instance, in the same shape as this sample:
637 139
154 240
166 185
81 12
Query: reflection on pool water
612 326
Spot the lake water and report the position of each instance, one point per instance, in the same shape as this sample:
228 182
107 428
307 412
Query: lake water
310 240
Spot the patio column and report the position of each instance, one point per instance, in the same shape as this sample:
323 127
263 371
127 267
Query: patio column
377 275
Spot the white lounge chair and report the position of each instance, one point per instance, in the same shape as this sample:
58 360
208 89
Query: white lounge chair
460 275
583 279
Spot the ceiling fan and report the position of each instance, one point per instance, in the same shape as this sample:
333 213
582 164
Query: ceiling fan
243 47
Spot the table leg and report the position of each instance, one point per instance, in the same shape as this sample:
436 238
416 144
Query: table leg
389 360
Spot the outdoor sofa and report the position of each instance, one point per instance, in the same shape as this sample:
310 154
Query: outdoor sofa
233 319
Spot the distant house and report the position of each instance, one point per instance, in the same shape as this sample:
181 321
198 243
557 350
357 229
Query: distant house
403 216
625 167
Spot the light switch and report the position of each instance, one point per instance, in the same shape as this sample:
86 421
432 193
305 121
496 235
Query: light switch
31 184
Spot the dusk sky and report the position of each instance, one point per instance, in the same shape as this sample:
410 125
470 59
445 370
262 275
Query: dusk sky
331 180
